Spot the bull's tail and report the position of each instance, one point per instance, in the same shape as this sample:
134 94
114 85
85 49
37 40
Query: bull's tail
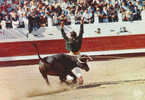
36 47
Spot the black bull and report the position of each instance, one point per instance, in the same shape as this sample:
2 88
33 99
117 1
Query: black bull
61 65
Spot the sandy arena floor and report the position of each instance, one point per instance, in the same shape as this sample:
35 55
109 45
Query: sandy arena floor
120 79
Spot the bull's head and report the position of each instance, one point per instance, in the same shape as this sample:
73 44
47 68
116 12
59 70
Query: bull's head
82 62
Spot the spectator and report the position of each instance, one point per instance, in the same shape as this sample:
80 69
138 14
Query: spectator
55 19
20 11
43 21
136 13
30 22
21 21
105 14
87 17
15 21
0 22
33 4
139 4
63 18
8 21
78 16
69 10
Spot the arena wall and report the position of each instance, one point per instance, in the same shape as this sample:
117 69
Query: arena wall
10 50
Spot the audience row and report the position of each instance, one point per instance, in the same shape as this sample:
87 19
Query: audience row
41 13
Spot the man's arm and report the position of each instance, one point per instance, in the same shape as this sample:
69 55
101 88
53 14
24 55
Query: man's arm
81 27
62 31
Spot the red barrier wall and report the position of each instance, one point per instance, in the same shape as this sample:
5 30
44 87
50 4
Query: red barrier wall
8 49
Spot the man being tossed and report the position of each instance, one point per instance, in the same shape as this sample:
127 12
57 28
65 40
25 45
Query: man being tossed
73 44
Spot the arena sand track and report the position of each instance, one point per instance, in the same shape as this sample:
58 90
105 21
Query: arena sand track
120 79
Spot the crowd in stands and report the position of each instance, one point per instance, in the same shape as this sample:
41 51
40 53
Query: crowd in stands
40 13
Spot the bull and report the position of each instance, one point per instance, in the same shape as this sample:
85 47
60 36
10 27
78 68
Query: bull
61 65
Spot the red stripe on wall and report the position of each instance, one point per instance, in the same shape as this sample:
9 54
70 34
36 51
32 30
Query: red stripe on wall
114 43
58 46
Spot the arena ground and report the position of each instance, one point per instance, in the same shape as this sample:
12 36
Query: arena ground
116 79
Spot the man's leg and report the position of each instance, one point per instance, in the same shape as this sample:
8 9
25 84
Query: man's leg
79 75
77 70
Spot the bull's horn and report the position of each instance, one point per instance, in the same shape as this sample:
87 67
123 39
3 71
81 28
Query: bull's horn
87 57
90 57
80 60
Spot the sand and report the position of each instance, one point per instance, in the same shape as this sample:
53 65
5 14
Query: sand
118 79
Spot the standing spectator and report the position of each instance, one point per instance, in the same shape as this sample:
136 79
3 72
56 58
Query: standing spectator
20 11
15 21
21 21
30 22
0 22
58 9
49 19
136 13
37 21
78 16
73 44
8 21
64 18
128 16
114 15
43 21
105 14
55 19
139 4
87 16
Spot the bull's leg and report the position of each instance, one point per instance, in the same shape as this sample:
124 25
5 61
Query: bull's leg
74 77
62 77
45 78
44 74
